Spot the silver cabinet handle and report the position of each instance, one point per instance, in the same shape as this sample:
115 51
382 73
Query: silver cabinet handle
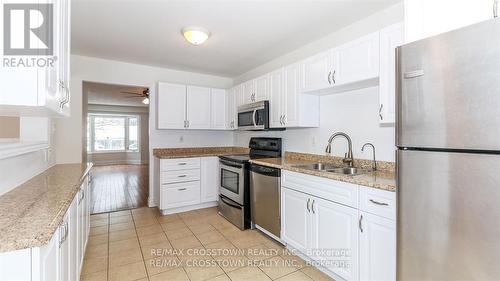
380 111
182 176
330 77
281 120
360 223
308 200
312 206
184 123
378 203
181 189
333 77
284 119
182 163
187 122
253 118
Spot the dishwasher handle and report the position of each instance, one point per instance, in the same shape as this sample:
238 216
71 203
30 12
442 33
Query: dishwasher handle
266 171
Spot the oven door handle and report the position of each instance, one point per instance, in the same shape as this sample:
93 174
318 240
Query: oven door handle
253 117
226 163
229 203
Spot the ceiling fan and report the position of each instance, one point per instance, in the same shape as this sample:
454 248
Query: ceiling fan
144 94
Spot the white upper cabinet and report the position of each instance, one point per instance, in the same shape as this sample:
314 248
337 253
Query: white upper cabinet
377 244
231 108
261 88
356 61
277 101
198 108
390 38
171 106
248 92
425 18
44 89
218 109
317 72
190 107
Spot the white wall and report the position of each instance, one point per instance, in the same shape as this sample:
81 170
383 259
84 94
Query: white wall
69 130
351 112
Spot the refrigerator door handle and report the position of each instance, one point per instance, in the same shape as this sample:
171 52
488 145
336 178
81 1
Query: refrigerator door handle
413 74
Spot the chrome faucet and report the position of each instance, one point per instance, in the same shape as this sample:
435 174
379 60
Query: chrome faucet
374 164
348 156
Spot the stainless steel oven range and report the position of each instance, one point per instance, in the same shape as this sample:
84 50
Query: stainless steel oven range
234 189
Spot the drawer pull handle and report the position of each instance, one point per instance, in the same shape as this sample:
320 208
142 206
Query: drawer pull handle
183 163
181 176
181 189
378 203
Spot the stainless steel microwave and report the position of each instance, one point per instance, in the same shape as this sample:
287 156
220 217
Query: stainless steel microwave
254 116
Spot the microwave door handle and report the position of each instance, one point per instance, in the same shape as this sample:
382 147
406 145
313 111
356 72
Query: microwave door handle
253 117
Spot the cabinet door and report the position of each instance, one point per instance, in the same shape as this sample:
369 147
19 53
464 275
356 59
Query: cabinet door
46 260
277 97
296 219
209 179
357 60
171 109
179 194
291 96
377 248
317 72
261 89
64 251
248 92
72 240
231 109
218 109
198 107
335 232
390 38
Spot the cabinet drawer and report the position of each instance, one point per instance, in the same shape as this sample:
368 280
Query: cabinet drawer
378 202
179 164
180 194
336 191
168 177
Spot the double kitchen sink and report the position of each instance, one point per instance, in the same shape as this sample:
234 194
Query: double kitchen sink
323 167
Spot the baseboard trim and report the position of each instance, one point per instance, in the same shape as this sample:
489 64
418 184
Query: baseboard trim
189 208
126 162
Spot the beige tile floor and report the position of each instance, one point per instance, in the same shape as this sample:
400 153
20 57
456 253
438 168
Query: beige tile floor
141 244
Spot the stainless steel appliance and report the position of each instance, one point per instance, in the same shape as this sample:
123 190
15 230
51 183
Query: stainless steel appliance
265 199
448 157
253 116
234 198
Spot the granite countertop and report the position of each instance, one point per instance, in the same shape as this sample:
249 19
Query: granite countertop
167 153
384 179
31 212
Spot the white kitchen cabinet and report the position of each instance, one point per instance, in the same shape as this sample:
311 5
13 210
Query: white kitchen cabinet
317 72
248 92
209 179
356 61
171 108
231 108
296 221
377 244
390 38
198 105
218 109
335 227
58 260
261 88
426 18
180 194
40 90
277 101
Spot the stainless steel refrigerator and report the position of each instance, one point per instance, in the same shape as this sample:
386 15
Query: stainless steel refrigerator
448 157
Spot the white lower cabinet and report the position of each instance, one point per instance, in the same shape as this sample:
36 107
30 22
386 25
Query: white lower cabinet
377 243
62 257
344 240
188 183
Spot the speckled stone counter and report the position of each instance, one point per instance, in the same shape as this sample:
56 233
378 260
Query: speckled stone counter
31 212
166 153
384 178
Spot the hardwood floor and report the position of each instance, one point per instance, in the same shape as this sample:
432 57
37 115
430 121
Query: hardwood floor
119 187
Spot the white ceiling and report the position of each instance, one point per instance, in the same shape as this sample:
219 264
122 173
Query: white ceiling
245 34
109 94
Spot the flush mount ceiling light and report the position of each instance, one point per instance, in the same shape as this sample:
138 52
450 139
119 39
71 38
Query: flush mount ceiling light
195 35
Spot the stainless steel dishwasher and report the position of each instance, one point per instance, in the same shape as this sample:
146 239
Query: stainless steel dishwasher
265 199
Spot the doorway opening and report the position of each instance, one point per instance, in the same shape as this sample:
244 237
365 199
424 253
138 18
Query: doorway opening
116 141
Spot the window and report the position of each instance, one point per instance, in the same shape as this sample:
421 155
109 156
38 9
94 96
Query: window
112 133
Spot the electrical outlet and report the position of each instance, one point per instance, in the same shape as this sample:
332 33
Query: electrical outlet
181 139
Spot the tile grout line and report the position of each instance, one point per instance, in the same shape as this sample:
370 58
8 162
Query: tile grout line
140 248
